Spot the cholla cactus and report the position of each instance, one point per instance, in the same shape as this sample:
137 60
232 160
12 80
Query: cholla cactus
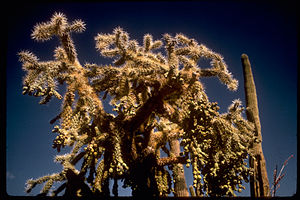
157 97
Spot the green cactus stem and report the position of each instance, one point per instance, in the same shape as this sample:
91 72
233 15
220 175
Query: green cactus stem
178 173
259 183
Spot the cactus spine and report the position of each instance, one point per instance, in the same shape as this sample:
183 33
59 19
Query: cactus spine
259 183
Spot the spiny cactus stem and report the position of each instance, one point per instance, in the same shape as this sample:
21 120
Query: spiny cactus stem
192 191
259 182
180 184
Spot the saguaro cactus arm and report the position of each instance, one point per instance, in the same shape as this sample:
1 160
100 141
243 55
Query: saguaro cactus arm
259 182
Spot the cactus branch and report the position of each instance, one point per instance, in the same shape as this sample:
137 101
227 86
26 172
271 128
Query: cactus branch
259 182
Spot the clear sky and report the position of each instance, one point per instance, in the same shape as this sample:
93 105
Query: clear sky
266 32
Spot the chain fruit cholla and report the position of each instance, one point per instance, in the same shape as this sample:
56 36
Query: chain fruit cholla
157 97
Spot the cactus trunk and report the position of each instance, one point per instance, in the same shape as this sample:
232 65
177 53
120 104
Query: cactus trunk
259 183
179 178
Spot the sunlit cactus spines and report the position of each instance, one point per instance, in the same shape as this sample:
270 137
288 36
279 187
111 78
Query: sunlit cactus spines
159 104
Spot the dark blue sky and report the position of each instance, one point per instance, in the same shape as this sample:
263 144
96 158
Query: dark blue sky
266 32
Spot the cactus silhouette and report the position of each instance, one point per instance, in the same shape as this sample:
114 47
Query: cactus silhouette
259 182
158 104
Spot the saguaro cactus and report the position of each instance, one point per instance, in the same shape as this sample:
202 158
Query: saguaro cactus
259 183
180 188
